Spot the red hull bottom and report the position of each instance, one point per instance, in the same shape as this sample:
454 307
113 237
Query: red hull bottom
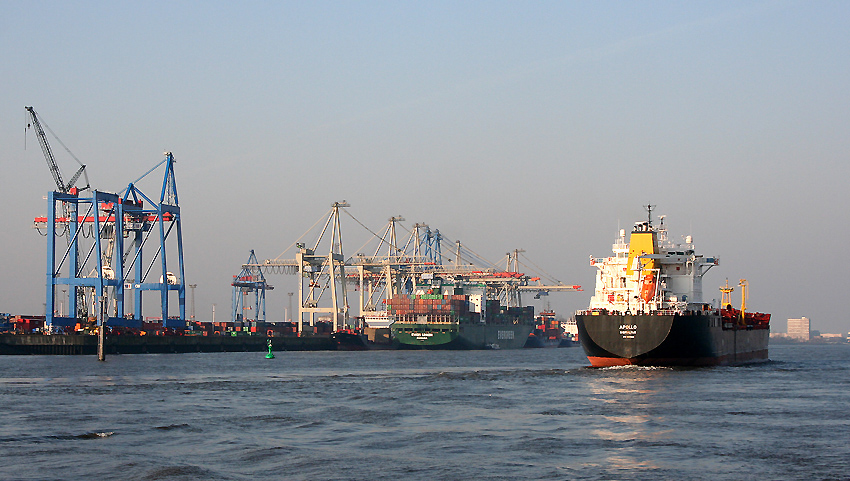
740 358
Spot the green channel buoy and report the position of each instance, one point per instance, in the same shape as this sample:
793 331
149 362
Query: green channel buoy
270 355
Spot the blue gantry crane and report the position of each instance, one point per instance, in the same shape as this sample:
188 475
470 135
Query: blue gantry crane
95 261
430 243
164 214
250 283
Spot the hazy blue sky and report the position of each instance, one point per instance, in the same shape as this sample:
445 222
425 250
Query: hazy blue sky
536 125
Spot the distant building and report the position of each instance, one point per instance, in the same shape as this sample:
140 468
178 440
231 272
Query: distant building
799 329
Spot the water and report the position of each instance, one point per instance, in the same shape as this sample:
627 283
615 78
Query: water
532 414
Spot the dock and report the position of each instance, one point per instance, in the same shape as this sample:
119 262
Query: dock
65 344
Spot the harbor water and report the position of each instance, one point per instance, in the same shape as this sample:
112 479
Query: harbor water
399 415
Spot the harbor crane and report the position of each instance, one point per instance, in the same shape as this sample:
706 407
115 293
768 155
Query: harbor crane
109 219
397 271
61 186
250 281
78 296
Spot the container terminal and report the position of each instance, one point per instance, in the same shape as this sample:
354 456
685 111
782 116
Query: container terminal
108 252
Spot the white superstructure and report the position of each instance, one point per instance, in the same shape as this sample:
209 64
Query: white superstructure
649 273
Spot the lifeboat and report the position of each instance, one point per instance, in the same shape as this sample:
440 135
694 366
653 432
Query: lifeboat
647 288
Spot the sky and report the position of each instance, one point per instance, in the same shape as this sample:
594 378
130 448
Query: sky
543 126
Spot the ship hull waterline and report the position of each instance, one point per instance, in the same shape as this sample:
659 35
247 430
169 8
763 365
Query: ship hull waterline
696 339
461 336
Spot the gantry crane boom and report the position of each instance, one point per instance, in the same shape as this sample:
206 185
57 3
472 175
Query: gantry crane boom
51 160
48 154
68 212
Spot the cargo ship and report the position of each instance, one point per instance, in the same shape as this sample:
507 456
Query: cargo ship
457 314
550 332
647 308
349 340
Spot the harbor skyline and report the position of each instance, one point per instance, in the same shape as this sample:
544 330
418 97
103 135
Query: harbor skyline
505 126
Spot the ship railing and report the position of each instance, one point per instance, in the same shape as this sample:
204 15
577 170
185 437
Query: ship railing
597 310
731 326
428 319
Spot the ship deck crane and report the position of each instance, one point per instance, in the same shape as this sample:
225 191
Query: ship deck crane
744 285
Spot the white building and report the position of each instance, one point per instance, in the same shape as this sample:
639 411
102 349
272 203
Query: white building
799 329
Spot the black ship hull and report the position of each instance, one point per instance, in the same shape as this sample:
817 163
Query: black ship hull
701 338
536 342
349 341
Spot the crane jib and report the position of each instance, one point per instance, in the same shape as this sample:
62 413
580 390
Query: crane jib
51 160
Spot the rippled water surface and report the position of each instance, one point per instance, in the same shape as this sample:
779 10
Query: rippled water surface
533 414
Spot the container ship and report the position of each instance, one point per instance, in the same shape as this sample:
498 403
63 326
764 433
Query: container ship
457 315
647 308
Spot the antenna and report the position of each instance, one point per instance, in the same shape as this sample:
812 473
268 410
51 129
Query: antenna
649 208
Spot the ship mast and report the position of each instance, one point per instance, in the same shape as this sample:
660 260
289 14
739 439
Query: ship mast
648 208
726 297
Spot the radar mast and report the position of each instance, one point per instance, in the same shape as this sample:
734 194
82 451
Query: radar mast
648 208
